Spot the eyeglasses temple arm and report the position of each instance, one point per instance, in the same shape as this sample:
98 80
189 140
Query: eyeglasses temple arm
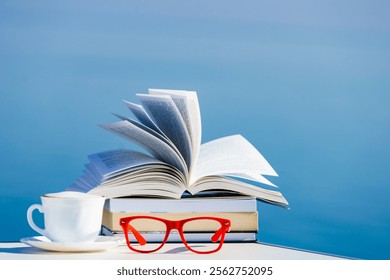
141 240
216 236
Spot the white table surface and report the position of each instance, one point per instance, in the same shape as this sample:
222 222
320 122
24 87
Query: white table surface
170 251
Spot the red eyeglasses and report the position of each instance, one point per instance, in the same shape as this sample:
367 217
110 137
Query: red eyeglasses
137 227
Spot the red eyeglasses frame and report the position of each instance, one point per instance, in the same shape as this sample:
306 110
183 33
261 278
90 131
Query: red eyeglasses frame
170 225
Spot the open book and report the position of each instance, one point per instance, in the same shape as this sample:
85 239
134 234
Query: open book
169 128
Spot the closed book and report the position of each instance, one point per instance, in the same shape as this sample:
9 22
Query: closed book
174 236
240 221
187 204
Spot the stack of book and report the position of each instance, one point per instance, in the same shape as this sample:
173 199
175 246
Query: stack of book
240 210
177 163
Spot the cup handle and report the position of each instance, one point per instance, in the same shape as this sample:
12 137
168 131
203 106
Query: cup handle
30 218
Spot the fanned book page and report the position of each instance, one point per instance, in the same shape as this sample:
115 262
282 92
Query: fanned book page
231 155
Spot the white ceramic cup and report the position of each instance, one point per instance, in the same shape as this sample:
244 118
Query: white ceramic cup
69 216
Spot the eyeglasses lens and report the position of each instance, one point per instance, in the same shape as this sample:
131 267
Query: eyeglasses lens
210 232
152 232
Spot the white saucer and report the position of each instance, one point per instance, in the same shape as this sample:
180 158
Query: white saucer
101 243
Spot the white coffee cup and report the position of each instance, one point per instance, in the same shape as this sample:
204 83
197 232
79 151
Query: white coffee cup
69 216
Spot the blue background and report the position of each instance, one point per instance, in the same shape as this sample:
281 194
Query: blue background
307 82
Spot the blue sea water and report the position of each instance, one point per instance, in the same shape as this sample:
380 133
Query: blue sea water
307 82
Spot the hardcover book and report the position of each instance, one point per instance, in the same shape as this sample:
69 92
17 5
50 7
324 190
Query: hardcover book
240 221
